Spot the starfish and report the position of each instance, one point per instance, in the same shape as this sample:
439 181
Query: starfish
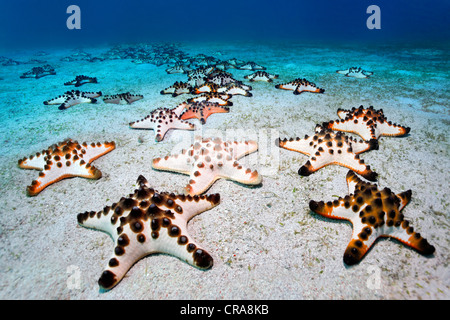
326 147
251 66
122 98
211 159
368 123
221 78
261 76
80 80
74 97
148 222
207 87
39 72
300 85
220 98
64 160
373 213
236 88
177 88
223 65
235 62
178 68
355 72
197 77
202 110
162 120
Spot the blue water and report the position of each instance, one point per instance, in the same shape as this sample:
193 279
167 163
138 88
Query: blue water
34 23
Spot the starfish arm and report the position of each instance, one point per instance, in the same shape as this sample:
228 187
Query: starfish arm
145 123
96 150
178 110
179 244
72 101
201 180
128 250
346 159
61 170
308 88
177 163
58 100
343 113
113 99
190 206
364 236
343 71
363 146
404 197
234 171
300 145
241 149
91 95
349 125
389 129
182 90
77 100
203 112
358 246
181 124
406 234
358 75
287 86
169 90
337 209
352 181
33 162
162 128
133 98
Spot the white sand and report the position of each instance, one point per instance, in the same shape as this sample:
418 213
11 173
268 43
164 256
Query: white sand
265 242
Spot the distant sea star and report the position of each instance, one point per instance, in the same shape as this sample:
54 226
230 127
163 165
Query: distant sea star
162 120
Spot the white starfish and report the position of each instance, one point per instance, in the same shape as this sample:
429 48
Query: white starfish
208 160
64 160
163 119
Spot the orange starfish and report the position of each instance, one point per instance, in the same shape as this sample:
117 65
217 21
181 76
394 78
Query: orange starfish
202 110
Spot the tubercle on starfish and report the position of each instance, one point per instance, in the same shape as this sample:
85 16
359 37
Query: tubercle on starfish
373 213
147 222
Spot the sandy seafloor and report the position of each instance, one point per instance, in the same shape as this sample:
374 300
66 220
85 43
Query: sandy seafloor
265 241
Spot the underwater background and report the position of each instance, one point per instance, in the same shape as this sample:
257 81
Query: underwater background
28 23
265 241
